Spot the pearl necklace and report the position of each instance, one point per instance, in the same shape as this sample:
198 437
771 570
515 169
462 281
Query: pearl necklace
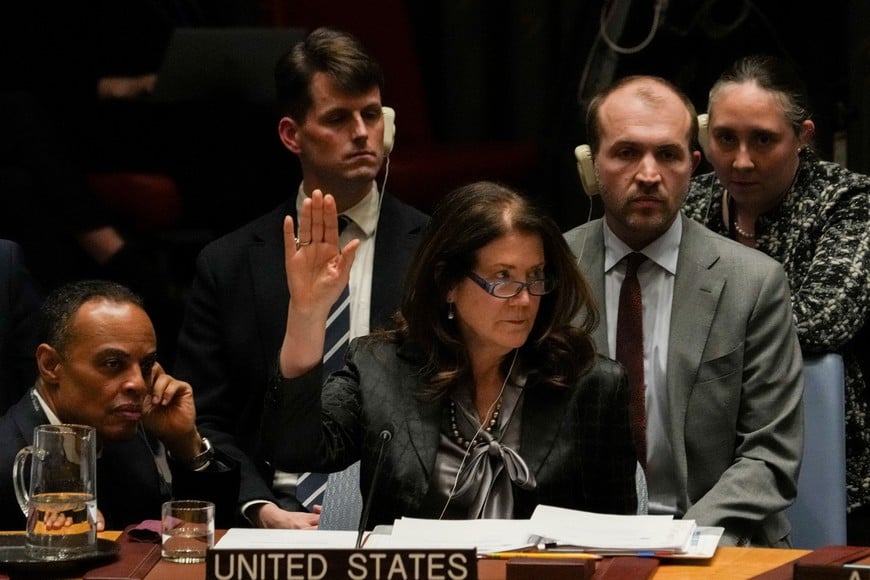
743 232
454 428
726 200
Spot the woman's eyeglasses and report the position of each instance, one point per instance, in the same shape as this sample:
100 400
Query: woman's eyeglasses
510 288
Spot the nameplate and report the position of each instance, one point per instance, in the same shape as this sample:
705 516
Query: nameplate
830 572
531 569
346 564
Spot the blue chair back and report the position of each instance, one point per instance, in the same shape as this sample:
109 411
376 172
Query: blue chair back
818 516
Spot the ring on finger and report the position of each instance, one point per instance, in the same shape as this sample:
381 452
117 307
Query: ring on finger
300 244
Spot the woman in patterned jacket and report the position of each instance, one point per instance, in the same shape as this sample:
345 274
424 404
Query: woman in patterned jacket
770 191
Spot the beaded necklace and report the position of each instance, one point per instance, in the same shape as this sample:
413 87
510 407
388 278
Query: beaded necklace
454 428
743 232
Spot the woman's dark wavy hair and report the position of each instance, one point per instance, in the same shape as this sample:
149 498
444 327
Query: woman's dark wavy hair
557 351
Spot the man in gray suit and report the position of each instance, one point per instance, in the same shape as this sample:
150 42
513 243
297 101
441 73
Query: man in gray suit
720 372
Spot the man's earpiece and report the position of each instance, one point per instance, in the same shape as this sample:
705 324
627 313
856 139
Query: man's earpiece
703 131
586 168
389 129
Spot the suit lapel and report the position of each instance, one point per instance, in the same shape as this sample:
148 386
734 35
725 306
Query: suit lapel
423 425
543 412
394 248
697 289
268 280
592 265
27 416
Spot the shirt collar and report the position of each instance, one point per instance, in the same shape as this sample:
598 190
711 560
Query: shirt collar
664 250
364 214
55 420
52 418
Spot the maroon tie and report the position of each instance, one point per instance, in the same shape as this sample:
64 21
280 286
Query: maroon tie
629 350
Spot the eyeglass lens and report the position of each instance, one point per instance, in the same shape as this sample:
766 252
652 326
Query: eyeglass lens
509 289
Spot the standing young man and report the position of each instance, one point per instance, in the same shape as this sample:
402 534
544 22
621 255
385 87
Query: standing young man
329 94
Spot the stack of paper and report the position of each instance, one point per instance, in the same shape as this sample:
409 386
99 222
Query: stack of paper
614 534
486 535
549 528
257 538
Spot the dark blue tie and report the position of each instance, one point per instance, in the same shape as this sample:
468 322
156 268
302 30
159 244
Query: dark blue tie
337 333
311 486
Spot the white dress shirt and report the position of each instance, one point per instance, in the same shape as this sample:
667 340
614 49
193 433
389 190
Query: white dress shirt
656 278
363 226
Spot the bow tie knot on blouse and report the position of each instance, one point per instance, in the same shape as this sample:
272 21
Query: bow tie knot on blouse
486 460
489 468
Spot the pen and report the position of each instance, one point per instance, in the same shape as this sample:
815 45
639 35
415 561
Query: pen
542 555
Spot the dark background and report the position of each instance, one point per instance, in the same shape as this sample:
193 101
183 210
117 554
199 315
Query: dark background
484 89
512 69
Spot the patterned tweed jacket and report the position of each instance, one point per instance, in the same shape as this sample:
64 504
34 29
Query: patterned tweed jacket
820 233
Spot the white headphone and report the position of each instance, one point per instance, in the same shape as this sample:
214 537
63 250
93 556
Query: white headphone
389 140
703 131
586 166
389 129
586 169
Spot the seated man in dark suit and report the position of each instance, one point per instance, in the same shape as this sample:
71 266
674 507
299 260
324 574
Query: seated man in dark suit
97 365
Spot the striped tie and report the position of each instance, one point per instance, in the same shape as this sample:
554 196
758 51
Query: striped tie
311 486
337 333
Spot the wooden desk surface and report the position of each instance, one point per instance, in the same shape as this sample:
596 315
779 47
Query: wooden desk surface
730 563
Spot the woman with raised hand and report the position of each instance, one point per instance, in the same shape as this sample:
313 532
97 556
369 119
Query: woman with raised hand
494 401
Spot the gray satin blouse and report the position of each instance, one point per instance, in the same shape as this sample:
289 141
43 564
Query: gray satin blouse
484 486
